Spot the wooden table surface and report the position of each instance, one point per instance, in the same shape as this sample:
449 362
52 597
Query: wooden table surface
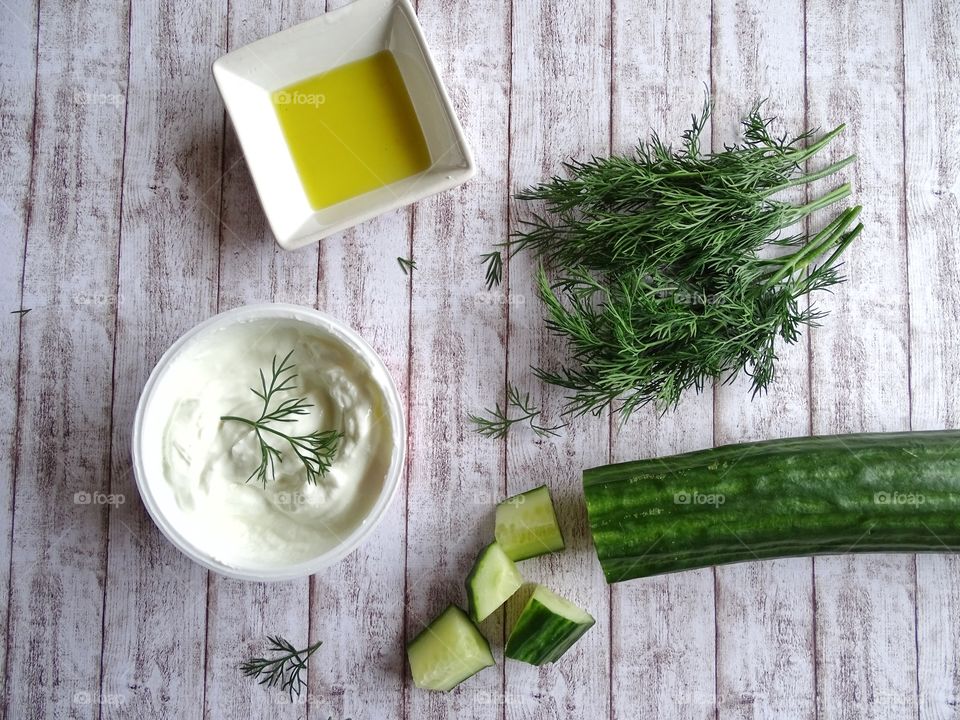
127 216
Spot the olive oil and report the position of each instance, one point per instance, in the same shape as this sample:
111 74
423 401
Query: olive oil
351 129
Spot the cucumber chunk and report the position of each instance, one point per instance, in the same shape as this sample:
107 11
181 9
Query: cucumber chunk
548 626
493 579
448 651
527 525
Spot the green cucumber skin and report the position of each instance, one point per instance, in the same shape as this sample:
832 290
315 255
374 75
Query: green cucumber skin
541 637
780 498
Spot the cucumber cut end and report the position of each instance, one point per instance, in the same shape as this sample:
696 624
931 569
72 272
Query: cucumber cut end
561 606
493 579
526 525
448 651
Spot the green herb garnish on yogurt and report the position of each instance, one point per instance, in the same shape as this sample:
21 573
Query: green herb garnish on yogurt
315 450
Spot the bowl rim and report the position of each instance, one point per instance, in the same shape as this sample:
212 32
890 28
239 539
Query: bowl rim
365 526
424 189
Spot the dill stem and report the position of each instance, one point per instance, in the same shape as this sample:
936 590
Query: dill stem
813 148
838 193
821 241
842 245
256 425
812 177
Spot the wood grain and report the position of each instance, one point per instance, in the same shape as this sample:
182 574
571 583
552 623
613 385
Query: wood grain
458 350
661 629
127 215
765 619
361 283
156 598
18 77
560 107
360 597
932 69
253 269
932 82
865 632
58 558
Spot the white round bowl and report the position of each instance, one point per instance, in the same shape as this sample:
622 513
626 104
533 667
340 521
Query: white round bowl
148 475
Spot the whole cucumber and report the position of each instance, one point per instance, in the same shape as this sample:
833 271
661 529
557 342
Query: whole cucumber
863 493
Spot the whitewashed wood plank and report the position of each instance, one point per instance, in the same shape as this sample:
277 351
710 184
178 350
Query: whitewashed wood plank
938 645
662 630
254 269
156 602
356 607
932 66
765 617
458 349
932 175
18 76
59 539
865 631
560 107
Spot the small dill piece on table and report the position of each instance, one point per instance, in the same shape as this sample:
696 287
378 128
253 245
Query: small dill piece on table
497 422
315 450
494 263
665 269
406 264
284 668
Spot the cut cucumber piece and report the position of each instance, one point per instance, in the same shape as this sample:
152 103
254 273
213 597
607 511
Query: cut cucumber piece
527 525
547 627
494 578
448 651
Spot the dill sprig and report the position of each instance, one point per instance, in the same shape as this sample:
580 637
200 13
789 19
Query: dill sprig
494 264
499 422
283 669
314 450
406 264
653 270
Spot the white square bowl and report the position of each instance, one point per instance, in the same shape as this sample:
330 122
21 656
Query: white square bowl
248 76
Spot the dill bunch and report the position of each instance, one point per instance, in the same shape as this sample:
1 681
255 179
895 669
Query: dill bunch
656 267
